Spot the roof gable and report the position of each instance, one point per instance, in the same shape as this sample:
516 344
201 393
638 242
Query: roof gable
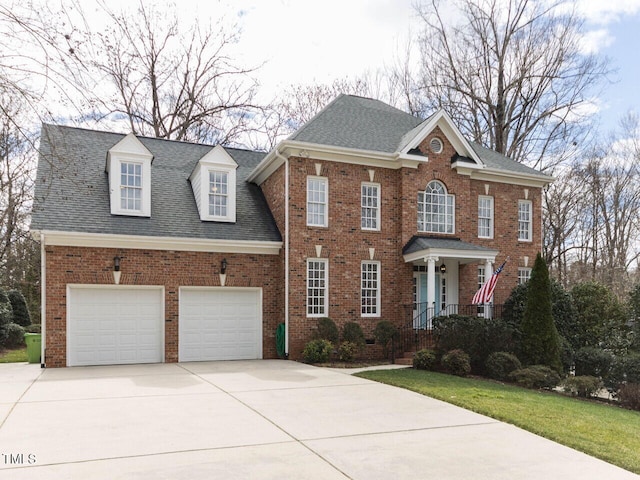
413 138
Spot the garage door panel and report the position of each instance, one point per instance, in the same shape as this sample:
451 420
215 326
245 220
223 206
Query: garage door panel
220 324
115 325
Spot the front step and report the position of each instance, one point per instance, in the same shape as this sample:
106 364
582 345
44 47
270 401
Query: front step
406 359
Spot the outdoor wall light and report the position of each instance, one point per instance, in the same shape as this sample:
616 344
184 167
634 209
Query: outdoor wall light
443 268
223 266
116 270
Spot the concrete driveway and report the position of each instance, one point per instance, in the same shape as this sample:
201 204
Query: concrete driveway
255 420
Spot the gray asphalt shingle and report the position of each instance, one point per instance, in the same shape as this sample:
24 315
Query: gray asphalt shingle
72 190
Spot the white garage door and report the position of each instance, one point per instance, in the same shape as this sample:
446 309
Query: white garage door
220 324
114 325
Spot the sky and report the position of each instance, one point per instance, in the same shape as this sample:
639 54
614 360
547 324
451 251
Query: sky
307 42
311 41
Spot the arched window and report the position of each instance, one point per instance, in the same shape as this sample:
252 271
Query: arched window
436 209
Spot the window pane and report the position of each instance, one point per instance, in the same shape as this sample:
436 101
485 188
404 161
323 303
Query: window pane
370 289
435 209
316 201
316 287
130 186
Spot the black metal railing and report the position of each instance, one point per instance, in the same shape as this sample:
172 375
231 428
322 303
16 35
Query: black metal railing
417 332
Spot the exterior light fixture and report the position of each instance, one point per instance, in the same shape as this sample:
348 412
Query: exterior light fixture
223 266
443 268
116 270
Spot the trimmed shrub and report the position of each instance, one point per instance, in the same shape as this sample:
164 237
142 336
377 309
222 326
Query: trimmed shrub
347 351
583 385
536 376
384 333
6 310
540 342
424 359
477 336
317 351
629 395
352 332
456 362
20 311
500 364
13 335
624 369
33 328
593 362
327 330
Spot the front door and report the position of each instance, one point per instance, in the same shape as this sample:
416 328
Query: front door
422 311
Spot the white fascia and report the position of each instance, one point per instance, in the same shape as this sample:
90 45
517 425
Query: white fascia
100 240
292 148
462 255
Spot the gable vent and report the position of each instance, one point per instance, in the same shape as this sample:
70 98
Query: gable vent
435 145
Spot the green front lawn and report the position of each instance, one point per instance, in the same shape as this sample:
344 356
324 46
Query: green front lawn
603 431
13 356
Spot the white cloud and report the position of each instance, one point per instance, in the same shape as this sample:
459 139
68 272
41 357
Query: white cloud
602 12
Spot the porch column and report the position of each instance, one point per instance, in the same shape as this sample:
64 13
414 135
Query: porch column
431 283
488 271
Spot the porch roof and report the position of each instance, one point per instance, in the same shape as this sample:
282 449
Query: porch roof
419 248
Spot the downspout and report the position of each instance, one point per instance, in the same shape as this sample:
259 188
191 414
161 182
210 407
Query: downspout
286 252
43 299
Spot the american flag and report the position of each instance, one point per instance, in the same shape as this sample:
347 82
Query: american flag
484 294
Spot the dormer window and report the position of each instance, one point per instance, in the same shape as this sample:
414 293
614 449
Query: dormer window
218 193
213 181
131 186
129 169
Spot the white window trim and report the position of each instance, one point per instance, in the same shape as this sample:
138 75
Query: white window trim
216 160
448 196
325 180
378 289
521 271
326 288
530 223
129 150
377 207
491 216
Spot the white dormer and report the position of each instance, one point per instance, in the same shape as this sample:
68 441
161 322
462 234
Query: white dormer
129 168
213 181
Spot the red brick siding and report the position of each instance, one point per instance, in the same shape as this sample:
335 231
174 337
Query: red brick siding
171 269
346 245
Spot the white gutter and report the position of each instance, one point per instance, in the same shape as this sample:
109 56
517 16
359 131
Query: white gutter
43 298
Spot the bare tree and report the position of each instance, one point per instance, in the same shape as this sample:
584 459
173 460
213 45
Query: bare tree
511 73
172 81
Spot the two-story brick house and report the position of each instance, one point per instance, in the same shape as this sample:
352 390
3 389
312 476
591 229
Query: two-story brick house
166 251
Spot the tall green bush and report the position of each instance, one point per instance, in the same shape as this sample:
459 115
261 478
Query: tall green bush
327 330
6 310
352 332
21 314
540 344
601 318
384 333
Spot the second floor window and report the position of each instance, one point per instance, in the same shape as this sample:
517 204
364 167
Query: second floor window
524 220
485 217
218 193
370 204
317 201
131 186
436 209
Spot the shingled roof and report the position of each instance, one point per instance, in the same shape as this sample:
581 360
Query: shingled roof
72 190
366 124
